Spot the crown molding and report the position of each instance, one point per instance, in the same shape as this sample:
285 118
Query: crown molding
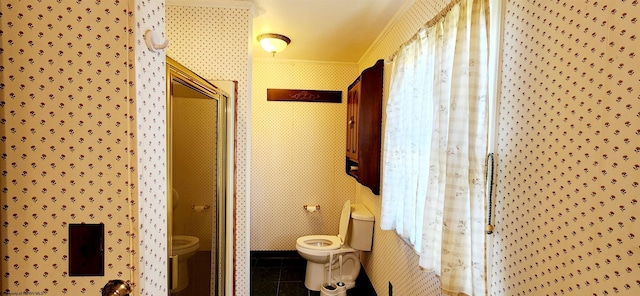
296 62
387 28
246 4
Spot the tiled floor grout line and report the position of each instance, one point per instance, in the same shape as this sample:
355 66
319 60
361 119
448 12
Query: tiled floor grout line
280 276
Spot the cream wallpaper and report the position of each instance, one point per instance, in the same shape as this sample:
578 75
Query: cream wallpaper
82 100
69 151
297 153
152 170
214 42
565 218
569 144
150 81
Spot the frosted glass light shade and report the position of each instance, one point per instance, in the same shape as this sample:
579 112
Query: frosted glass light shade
273 43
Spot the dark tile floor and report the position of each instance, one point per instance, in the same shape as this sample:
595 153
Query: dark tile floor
281 273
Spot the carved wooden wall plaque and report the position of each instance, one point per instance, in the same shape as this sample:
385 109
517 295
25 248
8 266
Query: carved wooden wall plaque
301 95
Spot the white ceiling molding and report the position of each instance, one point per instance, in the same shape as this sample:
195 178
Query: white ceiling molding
293 62
394 20
212 3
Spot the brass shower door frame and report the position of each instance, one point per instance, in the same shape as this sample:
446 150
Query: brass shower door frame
176 71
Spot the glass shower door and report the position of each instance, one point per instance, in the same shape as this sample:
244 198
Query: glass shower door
197 170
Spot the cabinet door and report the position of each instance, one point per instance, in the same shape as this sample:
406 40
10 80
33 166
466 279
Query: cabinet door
353 100
364 118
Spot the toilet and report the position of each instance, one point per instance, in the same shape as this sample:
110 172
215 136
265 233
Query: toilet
184 247
355 235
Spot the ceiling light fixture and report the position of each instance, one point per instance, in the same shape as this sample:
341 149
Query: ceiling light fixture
273 43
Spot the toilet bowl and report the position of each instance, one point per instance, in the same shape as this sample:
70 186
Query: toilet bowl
184 247
319 249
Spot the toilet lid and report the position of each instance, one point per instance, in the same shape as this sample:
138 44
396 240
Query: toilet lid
344 221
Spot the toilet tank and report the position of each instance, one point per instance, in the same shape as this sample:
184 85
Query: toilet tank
360 235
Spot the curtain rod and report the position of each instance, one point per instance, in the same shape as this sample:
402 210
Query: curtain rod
430 23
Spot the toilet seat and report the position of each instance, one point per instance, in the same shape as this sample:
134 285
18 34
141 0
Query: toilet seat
319 242
328 242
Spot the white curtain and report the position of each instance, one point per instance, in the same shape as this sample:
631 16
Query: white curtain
435 144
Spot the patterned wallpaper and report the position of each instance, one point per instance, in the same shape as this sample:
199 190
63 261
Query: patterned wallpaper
569 144
214 42
68 142
565 216
150 79
567 180
297 153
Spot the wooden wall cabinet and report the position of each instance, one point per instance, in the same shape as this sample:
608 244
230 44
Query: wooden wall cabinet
364 126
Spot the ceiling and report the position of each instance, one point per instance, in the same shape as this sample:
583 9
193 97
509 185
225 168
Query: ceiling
323 30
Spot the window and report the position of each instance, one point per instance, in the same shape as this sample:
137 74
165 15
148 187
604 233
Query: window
435 145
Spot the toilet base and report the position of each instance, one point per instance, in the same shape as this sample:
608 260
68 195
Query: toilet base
316 273
183 276
314 276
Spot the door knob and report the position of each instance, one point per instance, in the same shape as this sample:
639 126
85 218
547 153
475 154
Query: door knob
116 288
